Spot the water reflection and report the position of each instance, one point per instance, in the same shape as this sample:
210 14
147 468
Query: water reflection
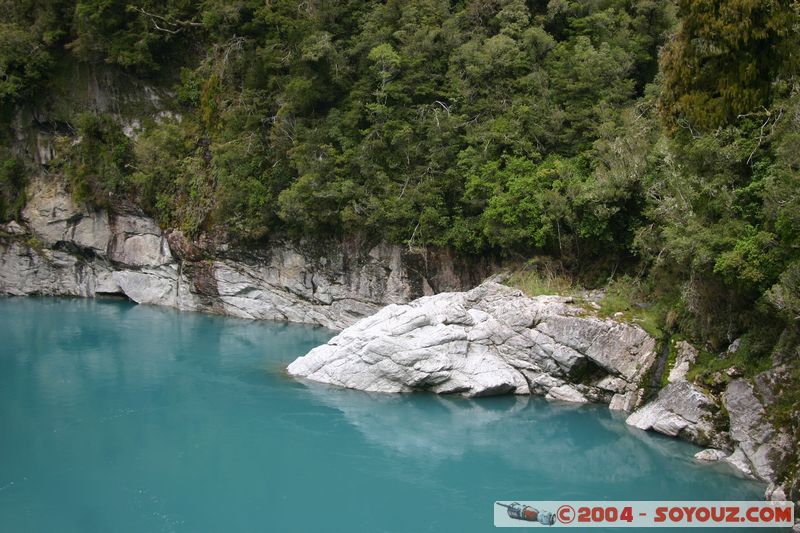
566 444
116 417
66 356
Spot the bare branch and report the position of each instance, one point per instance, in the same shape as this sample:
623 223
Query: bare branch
444 106
168 25
762 134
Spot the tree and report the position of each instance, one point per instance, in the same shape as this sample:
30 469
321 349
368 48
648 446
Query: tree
724 58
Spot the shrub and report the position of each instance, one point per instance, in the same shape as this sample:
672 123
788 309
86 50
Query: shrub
13 180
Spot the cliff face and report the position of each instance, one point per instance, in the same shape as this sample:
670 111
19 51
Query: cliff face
58 248
733 423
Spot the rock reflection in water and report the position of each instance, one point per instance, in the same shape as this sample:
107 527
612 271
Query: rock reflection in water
560 444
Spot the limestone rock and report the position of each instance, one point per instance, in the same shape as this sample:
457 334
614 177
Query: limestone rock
91 231
149 286
612 384
687 355
54 218
710 455
333 289
138 241
489 340
287 291
24 270
734 346
76 251
624 401
619 348
49 210
680 409
764 449
739 462
12 228
566 393
775 493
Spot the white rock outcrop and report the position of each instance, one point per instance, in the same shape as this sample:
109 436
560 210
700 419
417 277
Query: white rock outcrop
752 446
61 248
710 455
758 447
681 409
138 241
26 270
489 340
686 356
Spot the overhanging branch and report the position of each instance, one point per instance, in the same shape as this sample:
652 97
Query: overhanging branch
166 24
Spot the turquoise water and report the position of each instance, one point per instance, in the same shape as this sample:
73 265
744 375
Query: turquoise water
123 418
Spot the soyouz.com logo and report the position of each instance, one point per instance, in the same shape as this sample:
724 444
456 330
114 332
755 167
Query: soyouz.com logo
643 514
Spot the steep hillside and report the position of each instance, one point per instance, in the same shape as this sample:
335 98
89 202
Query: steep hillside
649 148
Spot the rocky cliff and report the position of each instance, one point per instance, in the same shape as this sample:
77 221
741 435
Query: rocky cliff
59 248
731 421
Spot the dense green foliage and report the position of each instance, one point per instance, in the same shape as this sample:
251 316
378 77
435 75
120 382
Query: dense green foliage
418 121
98 165
726 57
30 32
13 178
655 139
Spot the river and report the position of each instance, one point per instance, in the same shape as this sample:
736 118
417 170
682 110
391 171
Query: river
125 418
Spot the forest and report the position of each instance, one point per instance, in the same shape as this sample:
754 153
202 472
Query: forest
651 141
